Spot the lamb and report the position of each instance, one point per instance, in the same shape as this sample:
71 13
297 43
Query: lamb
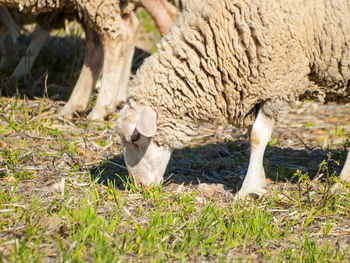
238 62
110 28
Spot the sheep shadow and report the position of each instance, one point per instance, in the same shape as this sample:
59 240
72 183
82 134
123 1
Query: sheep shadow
55 70
227 163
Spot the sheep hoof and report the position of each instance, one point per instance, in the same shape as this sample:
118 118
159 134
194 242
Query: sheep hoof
254 196
98 114
64 111
252 193
335 188
69 109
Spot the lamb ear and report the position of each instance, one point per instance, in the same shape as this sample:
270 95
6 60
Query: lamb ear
147 122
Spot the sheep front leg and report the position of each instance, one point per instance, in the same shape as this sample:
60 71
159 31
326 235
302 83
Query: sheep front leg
162 12
39 38
255 181
89 74
118 54
345 173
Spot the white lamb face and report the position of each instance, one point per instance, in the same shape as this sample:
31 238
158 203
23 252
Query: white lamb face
146 161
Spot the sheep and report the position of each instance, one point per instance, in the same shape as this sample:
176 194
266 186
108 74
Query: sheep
163 12
110 28
45 23
237 62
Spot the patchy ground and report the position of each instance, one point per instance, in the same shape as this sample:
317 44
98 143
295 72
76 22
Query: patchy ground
65 194
57 202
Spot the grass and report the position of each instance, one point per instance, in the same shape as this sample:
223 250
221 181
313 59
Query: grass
53 208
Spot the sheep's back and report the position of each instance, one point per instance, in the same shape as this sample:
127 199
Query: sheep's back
35 6
224 59
104 16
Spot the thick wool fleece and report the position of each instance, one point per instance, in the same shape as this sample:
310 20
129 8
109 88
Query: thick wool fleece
35 6
223 60
103 16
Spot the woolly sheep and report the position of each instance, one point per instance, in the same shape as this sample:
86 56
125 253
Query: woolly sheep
97 54
45 23
238 62
110 28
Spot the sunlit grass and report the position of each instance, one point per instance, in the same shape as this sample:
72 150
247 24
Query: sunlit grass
78 219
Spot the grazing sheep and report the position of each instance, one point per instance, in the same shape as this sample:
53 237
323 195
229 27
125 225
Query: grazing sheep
115 60
110 28
45 23
238 62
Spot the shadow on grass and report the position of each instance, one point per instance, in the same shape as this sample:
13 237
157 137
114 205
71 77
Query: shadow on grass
226 163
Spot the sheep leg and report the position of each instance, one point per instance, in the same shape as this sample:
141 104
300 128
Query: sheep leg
89 74
116 69
345 173
7 51
125 75
128 56
39 38
255 181
162 12
8 38
7 22
4 48
106 101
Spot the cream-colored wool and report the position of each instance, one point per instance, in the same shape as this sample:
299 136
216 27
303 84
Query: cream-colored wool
110 37
223 60
103 16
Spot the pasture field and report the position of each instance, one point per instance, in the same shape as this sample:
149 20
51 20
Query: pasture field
65 195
